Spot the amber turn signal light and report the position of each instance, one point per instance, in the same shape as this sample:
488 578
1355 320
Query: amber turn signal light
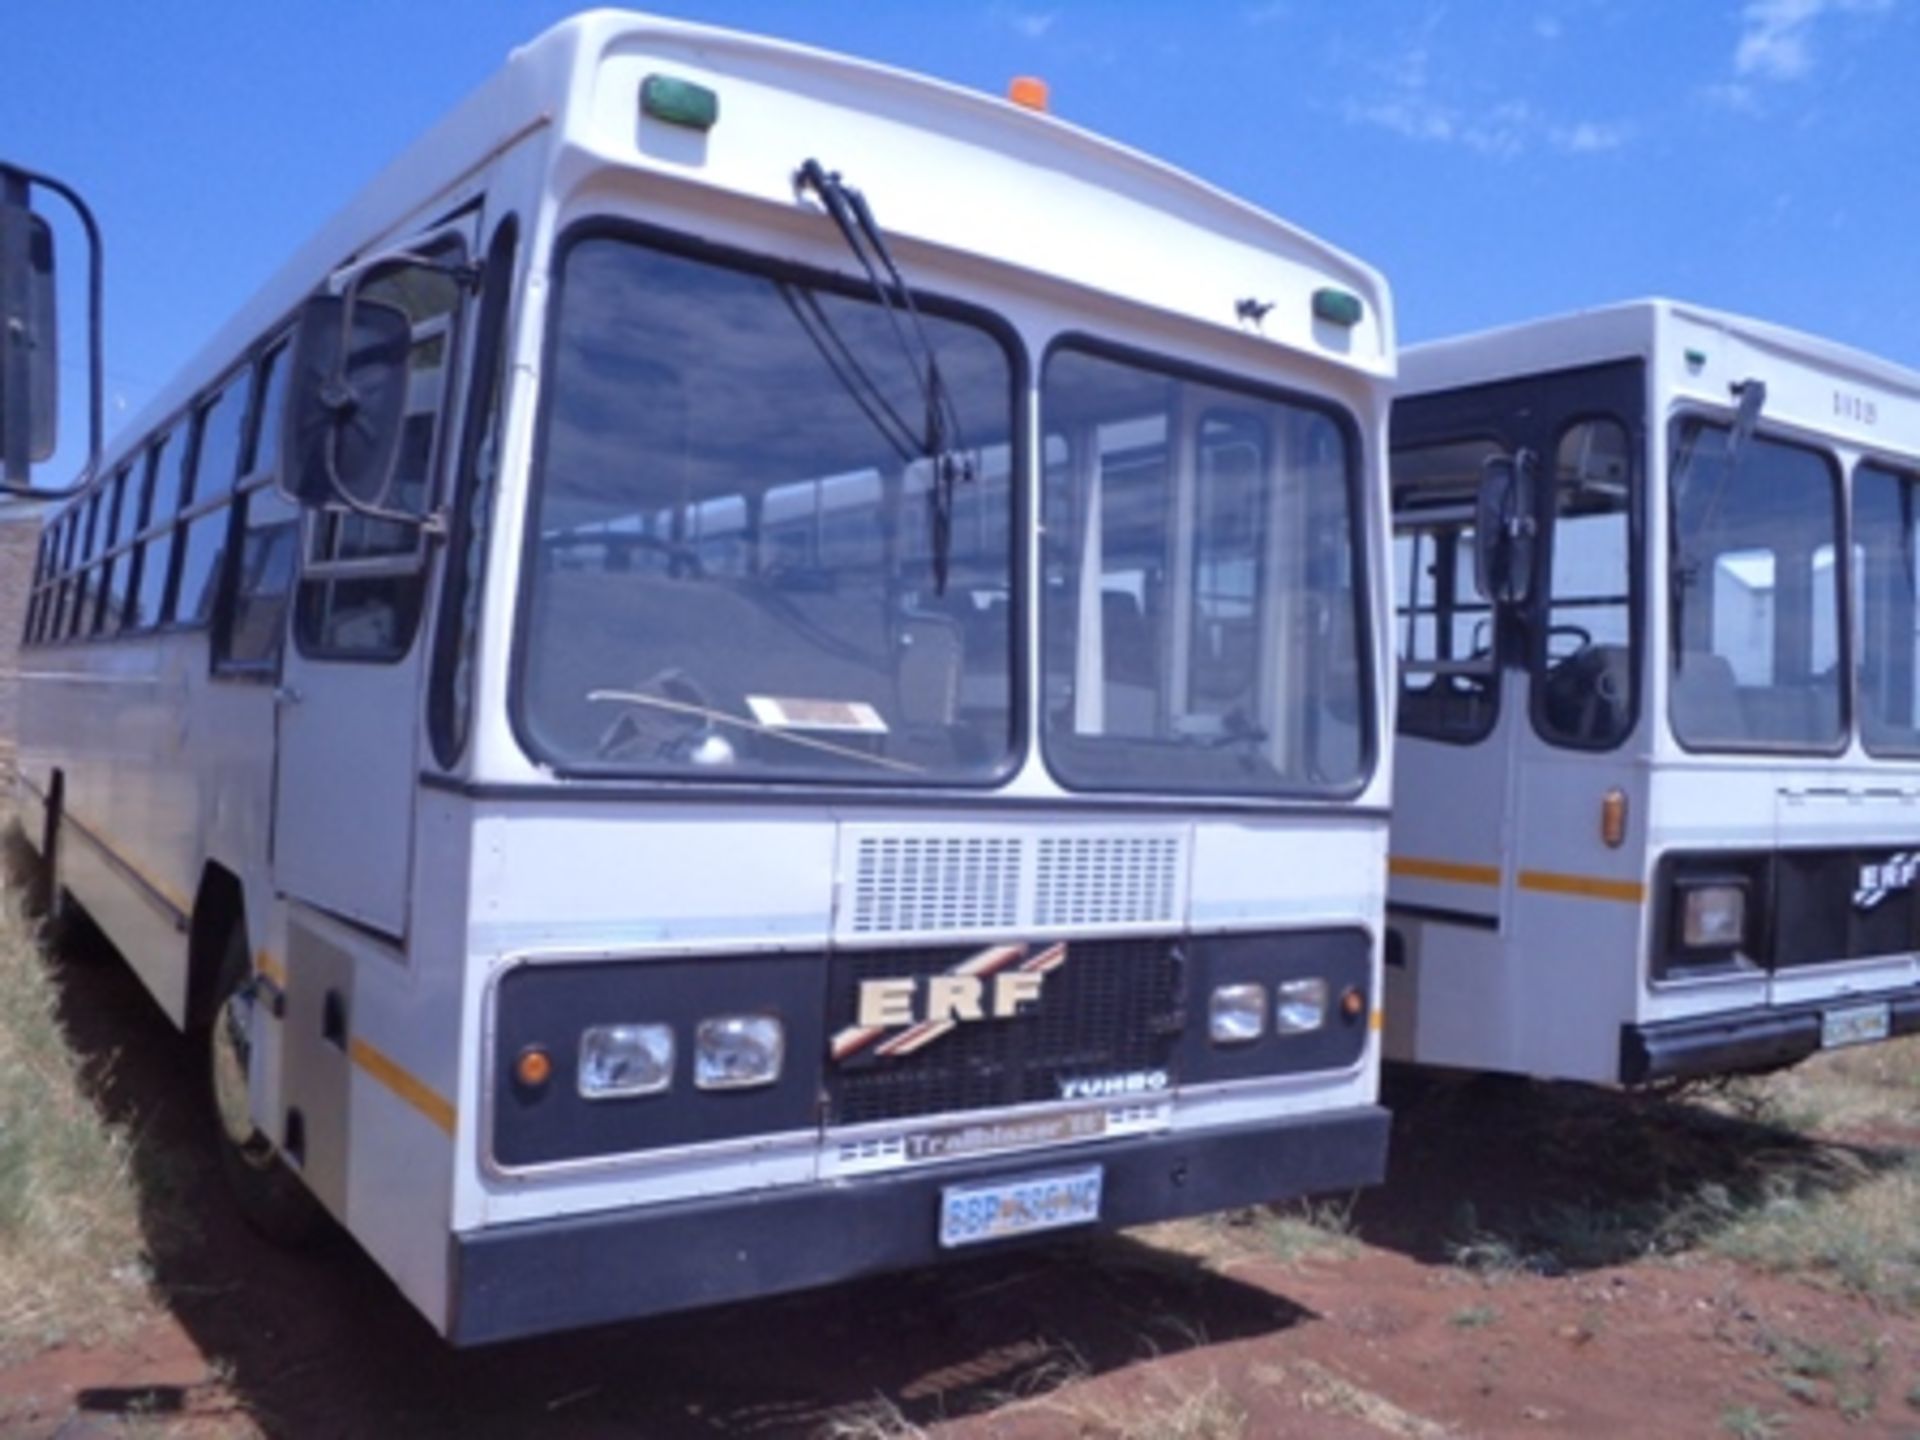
1613 818
534 1068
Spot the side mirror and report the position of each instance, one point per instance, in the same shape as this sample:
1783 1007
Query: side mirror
29 359
346 401
1504 528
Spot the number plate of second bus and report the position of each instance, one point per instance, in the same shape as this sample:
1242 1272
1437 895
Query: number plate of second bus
1855 1025
970 1214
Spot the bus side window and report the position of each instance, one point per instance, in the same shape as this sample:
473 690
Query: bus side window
364 586
87 586
204 531
1449 678
248 637
105 618
1588 683
156 547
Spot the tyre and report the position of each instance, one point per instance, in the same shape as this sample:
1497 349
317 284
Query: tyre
269 1195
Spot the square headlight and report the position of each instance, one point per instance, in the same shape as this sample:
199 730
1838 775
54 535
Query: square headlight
1300 1006
1237 1014
617 1061
737 1052
1713 917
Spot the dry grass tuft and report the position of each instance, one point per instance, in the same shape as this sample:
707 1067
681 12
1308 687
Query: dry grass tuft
1321 1389
1864 1239
73 1262
1164 1408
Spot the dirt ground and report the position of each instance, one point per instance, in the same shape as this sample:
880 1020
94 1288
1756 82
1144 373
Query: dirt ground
1540 1263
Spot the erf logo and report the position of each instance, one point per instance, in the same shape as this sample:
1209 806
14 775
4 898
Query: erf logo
1879 881
999 983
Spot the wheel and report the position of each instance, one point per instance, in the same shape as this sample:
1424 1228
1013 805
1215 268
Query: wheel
269 1194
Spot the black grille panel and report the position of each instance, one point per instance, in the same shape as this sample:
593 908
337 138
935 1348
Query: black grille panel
1833 905
1113 1008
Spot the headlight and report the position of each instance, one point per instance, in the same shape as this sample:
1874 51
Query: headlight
1237 1014
736 1052
1713 917
1300 1006
621 1060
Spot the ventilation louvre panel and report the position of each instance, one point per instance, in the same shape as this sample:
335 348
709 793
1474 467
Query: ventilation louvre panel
912 880
935 883
1106 880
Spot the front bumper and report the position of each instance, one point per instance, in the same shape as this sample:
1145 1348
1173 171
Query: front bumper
1764 1038
543 1276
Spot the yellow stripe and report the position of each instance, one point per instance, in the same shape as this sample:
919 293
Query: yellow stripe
1457 874
1588 887
415 1092
1377 1020
271 968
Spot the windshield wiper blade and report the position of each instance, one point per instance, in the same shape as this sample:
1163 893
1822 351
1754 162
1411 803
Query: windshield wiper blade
940 440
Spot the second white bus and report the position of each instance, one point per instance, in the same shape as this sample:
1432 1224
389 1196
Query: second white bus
1659 727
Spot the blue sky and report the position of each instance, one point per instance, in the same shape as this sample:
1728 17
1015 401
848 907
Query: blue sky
1497 161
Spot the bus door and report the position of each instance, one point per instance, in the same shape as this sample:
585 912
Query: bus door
349 698
1512 718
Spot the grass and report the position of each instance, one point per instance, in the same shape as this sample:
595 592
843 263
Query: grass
1749 1422
1294 1233
72 1258
1322 1390
1473 1317
1864 1240
1164 1408
1310 1230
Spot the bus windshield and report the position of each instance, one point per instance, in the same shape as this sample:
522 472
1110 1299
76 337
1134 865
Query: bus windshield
1200 612
1756 594
731 567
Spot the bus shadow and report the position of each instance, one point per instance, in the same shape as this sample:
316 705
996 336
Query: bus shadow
1497 1173
322 1343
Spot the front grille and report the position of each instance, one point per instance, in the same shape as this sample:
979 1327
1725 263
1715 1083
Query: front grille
1835 905
1113 1008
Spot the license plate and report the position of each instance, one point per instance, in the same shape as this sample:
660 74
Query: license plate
1855 1025
970 1214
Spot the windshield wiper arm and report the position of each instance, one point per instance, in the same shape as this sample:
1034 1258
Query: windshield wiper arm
940 440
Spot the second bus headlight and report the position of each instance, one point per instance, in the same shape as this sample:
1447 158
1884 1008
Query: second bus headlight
1713 917
1237 1014
737 1052
1300 1006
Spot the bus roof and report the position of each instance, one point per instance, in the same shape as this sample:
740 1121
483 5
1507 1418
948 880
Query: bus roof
1634 327
1015 186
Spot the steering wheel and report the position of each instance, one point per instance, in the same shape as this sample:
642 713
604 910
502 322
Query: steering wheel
1581 635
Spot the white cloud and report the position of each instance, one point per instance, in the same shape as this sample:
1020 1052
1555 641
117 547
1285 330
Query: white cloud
1406 101
1588 137
1775 42
1030 24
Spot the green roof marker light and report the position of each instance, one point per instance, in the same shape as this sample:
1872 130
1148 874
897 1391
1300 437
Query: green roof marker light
1337 307
679 102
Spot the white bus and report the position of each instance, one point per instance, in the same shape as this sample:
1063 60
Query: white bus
672 760
1659 724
